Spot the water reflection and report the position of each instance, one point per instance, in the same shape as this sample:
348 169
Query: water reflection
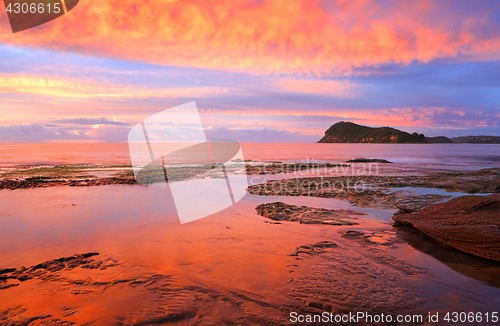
484 270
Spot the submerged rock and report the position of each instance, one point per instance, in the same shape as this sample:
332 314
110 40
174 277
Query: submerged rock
279 211
468 223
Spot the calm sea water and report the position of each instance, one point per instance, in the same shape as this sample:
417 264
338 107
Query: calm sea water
452 155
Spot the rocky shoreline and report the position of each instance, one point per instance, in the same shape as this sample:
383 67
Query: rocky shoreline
346 266
42 176
374 191
468 223
12 184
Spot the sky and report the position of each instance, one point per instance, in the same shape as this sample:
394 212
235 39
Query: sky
259 71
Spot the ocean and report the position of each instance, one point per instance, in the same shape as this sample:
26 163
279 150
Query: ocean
455 156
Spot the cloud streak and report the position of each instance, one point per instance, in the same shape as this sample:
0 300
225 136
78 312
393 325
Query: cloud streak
83 89
86 121
279 36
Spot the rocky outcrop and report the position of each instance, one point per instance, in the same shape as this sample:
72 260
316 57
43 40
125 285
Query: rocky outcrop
468 223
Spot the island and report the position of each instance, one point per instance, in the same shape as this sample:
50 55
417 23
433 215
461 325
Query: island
349 132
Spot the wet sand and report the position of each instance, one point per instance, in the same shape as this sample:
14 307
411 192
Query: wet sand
234 267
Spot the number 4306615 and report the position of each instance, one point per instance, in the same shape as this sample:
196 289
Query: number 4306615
462 317
33 8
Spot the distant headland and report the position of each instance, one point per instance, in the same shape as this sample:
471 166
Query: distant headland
349 132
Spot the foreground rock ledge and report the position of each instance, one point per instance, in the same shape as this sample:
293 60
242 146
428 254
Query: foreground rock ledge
469 223
279 211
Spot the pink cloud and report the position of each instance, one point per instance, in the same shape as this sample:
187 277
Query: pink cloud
279 36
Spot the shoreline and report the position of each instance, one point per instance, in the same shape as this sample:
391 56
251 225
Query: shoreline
320 262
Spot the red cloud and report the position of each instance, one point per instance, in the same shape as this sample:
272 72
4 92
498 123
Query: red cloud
267 36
